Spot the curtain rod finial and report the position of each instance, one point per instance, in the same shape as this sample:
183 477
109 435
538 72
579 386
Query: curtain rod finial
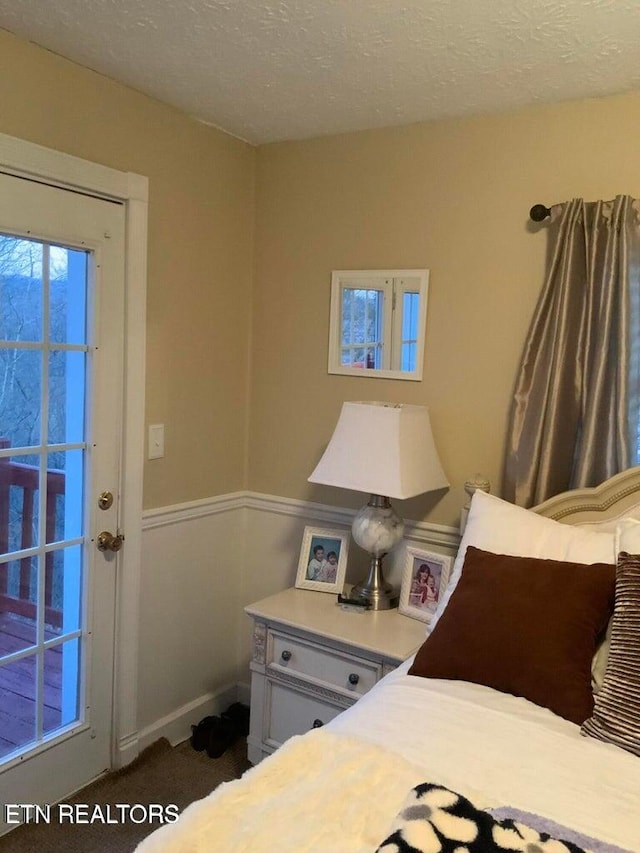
539 212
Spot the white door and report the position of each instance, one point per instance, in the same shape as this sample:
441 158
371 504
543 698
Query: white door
61 378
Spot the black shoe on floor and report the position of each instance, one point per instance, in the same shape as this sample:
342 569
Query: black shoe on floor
200 733
238 714
221 735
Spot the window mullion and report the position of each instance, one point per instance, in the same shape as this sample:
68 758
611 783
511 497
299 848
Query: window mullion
42 492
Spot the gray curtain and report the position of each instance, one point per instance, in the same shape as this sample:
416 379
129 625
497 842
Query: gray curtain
574 417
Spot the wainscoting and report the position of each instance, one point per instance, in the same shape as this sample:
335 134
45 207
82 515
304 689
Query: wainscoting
189 600
202 563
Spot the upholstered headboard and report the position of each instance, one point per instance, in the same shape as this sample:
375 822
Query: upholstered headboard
617 497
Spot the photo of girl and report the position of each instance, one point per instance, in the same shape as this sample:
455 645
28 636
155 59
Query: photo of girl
425 584
424 579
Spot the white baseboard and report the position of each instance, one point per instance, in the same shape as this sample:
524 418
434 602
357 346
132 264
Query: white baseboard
176 726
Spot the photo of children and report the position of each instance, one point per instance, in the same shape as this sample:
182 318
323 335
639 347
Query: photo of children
323 559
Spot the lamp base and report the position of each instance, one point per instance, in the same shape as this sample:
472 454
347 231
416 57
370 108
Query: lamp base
377 528
374 590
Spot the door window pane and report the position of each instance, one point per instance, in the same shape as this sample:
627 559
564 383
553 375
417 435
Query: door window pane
68 296
65 600
19 504
20 396
18 605
66 396
20 289
65 481
61 685
17 704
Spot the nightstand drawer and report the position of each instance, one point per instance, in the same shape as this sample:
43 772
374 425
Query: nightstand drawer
294 713
321 665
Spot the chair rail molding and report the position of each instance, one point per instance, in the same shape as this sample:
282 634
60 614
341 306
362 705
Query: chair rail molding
427 533
177 513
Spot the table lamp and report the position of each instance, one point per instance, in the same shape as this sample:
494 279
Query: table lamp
387 450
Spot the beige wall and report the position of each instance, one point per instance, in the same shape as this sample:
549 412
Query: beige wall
454 197
201 199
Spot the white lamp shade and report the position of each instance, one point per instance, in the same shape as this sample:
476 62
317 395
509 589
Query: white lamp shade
383 449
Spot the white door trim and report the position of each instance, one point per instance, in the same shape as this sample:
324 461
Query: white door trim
26 159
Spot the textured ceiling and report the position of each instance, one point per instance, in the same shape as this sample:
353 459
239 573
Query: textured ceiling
268 71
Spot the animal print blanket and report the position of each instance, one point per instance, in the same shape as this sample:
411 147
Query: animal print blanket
437 820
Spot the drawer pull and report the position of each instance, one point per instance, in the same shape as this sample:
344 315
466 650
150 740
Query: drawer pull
354 678
286 655
317 724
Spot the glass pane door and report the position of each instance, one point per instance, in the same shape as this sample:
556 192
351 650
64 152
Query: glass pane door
43 377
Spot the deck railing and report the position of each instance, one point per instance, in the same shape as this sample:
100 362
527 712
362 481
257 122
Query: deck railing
27 479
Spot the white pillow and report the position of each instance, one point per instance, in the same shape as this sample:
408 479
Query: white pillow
504 528
627 536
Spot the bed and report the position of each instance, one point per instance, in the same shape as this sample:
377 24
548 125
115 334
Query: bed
516 726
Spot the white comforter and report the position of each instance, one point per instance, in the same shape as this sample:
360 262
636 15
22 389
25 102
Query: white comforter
337 790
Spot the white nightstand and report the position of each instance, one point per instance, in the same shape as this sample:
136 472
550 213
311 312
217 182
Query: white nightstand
312 659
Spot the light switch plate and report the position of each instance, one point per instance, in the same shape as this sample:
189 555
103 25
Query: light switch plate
156 441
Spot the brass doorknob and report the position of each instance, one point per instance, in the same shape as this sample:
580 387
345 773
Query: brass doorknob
108 542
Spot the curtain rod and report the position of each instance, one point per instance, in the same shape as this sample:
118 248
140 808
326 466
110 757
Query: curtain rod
539 212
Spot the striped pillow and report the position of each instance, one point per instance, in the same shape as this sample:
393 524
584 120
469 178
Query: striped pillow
616 714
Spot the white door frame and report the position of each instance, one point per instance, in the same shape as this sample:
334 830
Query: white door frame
26 159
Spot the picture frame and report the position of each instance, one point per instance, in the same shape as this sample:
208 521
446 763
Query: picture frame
323 559
424 580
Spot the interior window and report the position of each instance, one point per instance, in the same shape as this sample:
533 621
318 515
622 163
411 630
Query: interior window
377 323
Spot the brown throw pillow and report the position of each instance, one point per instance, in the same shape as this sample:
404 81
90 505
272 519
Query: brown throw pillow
616 716
524 626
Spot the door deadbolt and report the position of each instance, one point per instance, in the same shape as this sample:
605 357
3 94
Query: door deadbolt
105 500
108 542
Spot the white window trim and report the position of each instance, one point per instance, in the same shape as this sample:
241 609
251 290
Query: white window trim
26 159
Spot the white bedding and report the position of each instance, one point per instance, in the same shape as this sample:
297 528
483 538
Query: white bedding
495 749
488 745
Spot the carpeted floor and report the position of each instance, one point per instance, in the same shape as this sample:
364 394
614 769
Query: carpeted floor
161 775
